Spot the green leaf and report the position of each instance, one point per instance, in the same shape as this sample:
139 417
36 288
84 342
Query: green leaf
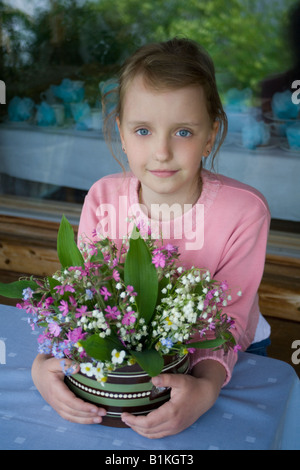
149 360
67 250
98 257
206 344
53 283
101 348
140 272
14 290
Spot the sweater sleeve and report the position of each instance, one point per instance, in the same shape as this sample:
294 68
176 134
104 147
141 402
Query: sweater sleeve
242 266
88 219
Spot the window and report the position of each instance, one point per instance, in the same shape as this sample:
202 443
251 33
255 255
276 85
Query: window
55 54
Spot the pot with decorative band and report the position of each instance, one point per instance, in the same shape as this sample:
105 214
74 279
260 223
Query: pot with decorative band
127 389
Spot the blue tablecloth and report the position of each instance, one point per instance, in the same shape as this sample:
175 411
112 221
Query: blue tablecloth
258 409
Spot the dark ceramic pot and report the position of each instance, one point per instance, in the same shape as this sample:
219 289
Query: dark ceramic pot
127 389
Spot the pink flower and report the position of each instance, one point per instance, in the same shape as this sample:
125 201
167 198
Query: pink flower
75 335
128 319
236 348
130 290
30 309
191 350
210 294
170 248
62 289
116 275
49 301
64 307
143 228
159 260
54 329
42 338
224 285
72 301
113 312
93 249
81 311
105 293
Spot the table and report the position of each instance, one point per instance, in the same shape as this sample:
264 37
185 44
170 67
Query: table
258 409
76 159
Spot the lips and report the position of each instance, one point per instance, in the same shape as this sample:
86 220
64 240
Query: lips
163 173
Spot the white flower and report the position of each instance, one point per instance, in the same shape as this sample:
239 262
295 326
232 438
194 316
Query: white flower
99 371
87 369
117 357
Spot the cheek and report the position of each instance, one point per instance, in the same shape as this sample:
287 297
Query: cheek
190 152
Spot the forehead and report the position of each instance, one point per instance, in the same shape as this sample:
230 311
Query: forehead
140 97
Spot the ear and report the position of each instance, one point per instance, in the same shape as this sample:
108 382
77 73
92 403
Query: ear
211 138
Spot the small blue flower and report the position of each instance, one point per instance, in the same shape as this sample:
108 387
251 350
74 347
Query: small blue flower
68 370
58 350
45 348
167 342
27 293
89 294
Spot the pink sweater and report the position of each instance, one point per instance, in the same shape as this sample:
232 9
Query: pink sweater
225 232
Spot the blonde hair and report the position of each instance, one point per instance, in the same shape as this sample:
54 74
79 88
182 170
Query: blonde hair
173 64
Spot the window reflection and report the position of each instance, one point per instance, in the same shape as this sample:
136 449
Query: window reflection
55 56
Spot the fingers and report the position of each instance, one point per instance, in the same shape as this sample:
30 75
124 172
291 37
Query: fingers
173 416
48 375
153 426
174 381
75 410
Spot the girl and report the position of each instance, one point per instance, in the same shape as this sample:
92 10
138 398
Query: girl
169 117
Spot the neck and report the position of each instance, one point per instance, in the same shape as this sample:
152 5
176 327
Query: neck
164 207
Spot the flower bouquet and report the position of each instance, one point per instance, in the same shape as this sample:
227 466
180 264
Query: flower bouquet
125 315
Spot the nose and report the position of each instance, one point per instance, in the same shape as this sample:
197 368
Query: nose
162 150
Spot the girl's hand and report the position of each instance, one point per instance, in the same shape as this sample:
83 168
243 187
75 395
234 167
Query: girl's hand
48 377
191 397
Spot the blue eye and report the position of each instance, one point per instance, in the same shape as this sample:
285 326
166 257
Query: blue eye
143 132
183 133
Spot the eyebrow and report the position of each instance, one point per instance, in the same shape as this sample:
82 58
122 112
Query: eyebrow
176 124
